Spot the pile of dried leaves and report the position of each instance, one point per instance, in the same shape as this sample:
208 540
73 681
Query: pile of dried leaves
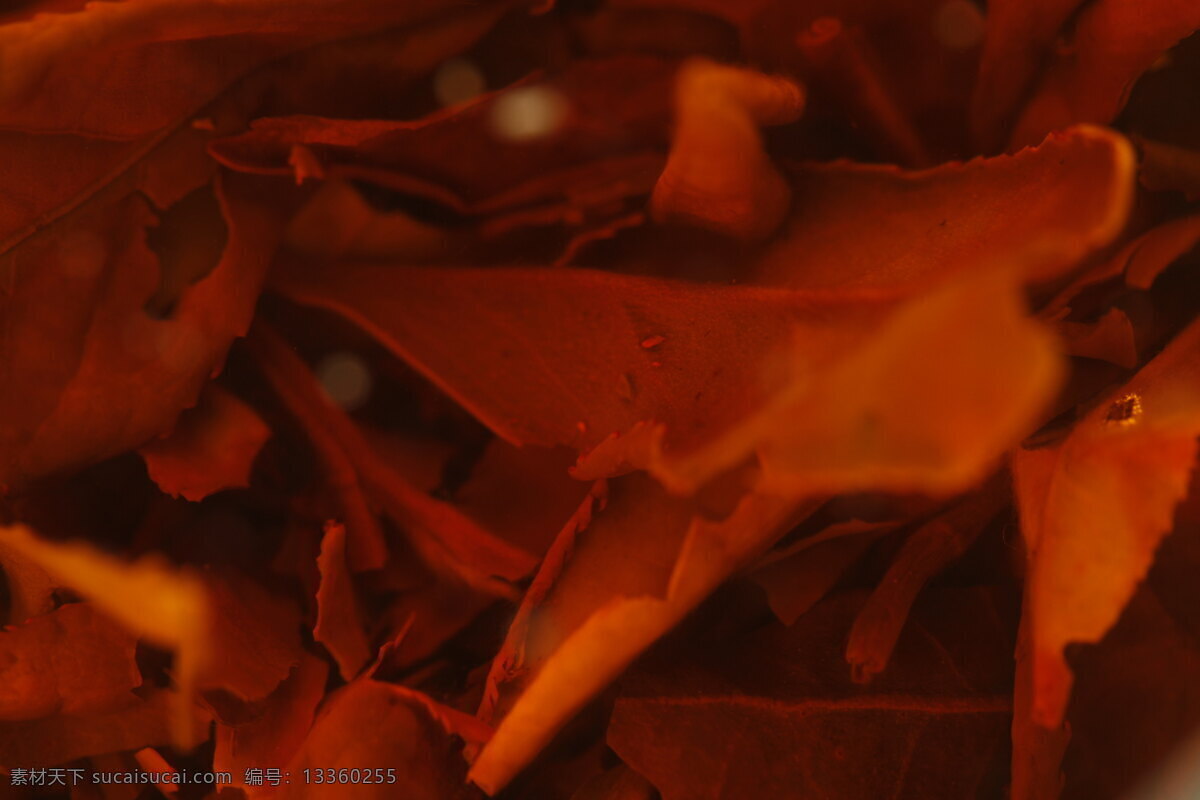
611 401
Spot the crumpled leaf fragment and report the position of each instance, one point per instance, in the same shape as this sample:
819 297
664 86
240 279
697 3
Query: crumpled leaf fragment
543 618
226 632
340 626
797 577
615 108
148 44
1110 338
254 636
718 175
1095 506
168 607
1019 35
212 448
617 783
273 736
1166 167
667 342
337 223
98 375
85 156
449 541
865 226
609 625
606 383
369 724
30 587
72 660
1148 662
1037 750
1089 79
1140 261
929 550
877 398
149 721
782 726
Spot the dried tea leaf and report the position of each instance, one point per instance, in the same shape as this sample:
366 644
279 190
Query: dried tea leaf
98 374
254 637
149 721
1090 78
929 550
1167 168
799 576
148 44
1095 506
276 733
1110 338
1019 35
340 625
782 726
212 448
30 587
225 631
464 157
714 374
167 607
73 660
620 623
369 724
1039 211
1140 261
450 542
718 175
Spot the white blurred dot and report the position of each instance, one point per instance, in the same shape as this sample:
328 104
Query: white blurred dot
457 80
959 24
346 379
530 112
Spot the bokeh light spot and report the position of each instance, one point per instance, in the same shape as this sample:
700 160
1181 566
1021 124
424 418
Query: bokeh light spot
528 113
346 379
456 81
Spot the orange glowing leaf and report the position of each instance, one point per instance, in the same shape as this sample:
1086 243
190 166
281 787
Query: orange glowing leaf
732 376
30 587
718 175
1095 507
168 607
602 626
1040 211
